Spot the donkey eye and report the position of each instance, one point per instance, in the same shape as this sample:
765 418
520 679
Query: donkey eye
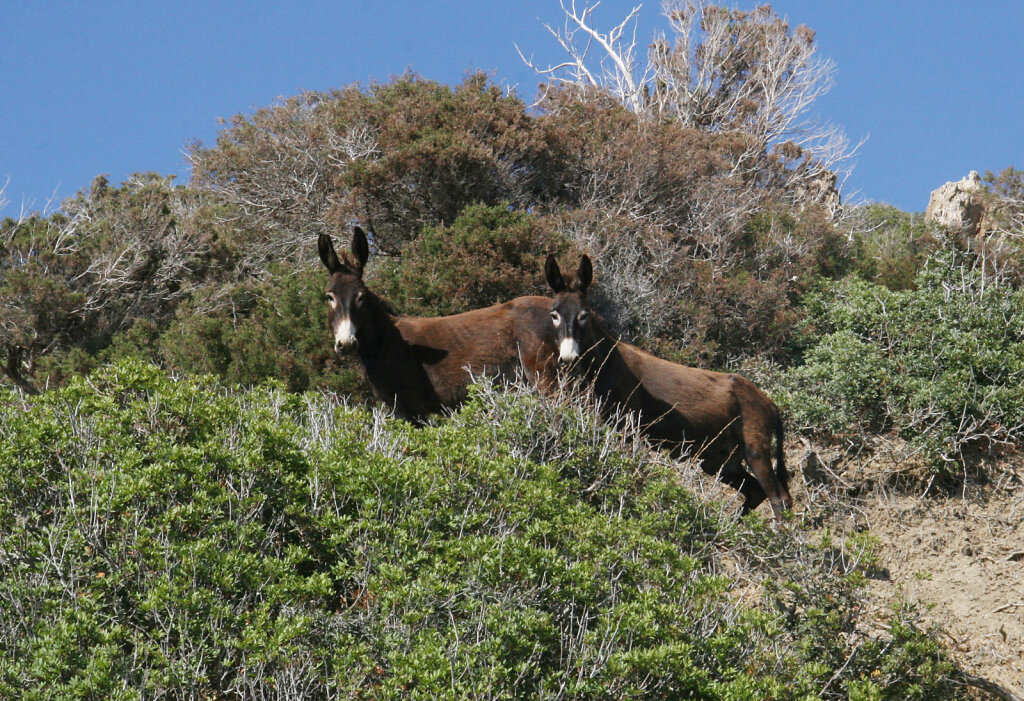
360 298
555 317
582 317
329 297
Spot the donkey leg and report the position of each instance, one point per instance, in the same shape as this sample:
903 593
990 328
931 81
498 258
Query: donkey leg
757 450
728 467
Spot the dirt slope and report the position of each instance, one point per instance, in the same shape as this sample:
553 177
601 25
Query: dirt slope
962 559
959 557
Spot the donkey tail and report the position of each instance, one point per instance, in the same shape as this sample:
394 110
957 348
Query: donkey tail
780 455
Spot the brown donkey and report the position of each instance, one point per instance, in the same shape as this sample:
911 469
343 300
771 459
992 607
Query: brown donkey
723 418
420 366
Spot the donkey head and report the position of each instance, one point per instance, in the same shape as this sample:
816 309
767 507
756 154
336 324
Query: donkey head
346 294
569 311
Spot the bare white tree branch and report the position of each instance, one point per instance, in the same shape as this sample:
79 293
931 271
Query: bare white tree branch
720 71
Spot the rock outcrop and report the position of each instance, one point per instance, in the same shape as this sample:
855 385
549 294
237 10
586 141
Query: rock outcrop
958 206
822 187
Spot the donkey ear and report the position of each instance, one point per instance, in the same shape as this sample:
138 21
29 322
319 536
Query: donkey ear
327 254
553 274
584 275
360 249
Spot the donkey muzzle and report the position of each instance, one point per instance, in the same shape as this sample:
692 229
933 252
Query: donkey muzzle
344 335
568 350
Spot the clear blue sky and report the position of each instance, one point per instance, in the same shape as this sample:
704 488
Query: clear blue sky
119 87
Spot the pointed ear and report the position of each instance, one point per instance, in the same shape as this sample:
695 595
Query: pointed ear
360 249
327 254
584 275
553 274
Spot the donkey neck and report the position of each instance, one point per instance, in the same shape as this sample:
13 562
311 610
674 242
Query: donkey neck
376 333
600 350
391 365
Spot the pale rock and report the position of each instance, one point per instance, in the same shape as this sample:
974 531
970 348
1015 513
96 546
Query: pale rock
958 206
823 188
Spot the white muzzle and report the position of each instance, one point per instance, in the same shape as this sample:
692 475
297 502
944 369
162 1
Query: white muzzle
344 334
568 350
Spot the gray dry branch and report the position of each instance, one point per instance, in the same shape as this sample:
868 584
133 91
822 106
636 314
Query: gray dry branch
148 257
111 256
616 69
1000 239
638 288
720 71
284 179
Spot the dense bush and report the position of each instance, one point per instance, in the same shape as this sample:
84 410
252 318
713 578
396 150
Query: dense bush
678 231
164 538
941 364
889 246
488 255
272 330
396 156
112 256
256 331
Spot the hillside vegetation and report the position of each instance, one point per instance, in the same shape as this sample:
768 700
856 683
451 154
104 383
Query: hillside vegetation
914 330
167 537
197 502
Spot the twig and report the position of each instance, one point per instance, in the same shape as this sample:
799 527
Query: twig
841 669
989 686
1007 606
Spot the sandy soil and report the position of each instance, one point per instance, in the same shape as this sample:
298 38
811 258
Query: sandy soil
963 560
960 558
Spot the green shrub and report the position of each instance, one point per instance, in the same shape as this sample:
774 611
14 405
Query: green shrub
488 255
270 330
72 281
890 246
942 364
175 539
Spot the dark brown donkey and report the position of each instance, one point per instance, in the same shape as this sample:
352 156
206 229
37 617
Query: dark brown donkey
421 366
722 418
